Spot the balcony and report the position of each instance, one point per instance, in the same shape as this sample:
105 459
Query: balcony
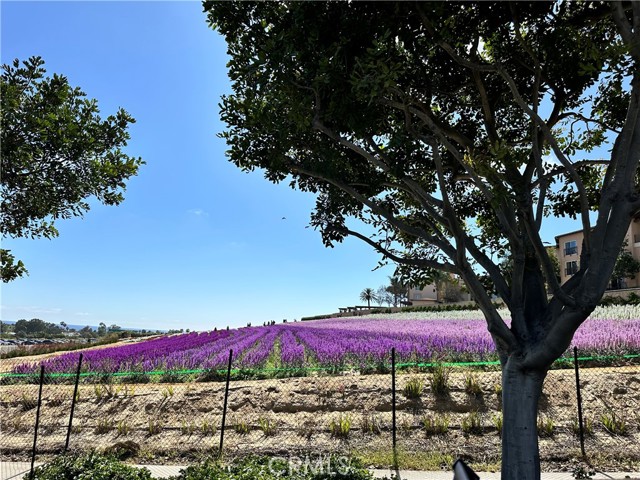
570 251
572 270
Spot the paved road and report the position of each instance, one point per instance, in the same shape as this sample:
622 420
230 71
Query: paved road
16 470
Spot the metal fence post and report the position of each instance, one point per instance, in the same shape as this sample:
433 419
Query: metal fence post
224 408
393 396
73 404
35 434
579 395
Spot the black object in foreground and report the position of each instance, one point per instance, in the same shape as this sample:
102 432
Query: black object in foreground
462 471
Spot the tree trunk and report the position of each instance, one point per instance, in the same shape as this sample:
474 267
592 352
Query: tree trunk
521 390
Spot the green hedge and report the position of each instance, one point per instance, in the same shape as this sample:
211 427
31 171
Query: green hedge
90 466
94 466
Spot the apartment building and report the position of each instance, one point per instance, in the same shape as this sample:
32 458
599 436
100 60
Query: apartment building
431 295
569 246
423 296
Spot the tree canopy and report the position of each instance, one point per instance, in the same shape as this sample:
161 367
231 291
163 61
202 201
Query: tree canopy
443 126
36 327
57 152
452 130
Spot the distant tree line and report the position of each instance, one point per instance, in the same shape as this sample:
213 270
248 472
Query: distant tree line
39 328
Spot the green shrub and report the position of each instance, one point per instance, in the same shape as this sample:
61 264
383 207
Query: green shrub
91 466
472 385
413 388
438 425
268 468
439 380
123 450
472 423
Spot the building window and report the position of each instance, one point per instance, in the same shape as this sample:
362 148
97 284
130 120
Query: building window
571 248
417 296
571 269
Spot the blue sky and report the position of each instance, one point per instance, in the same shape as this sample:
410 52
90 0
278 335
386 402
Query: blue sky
197 243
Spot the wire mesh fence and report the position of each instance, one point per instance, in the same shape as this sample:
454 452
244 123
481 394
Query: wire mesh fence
431 413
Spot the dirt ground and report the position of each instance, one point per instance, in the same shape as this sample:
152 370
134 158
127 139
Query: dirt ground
160 422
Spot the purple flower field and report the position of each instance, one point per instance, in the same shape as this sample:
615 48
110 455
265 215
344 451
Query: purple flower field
342 343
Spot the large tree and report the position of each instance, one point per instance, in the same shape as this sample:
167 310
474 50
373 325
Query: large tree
57 152
453 129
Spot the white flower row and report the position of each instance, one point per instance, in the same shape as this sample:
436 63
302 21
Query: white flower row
612 312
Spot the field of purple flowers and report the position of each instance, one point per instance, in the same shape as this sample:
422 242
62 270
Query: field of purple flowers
362 343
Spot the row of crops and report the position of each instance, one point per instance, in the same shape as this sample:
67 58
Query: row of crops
346 342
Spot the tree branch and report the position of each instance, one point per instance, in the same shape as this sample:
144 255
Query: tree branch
630 34
374 207
422 263
584 204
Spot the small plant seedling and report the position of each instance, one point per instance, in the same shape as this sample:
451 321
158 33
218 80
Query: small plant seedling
187 428
19 424
614 424
241 427
155 426
472 385
497 388
435 425
497 422
587 426
167 392
104 425
371 424
546 427
341 426
207 428
56 402
97 390
27 401
472 423
268 426
123 427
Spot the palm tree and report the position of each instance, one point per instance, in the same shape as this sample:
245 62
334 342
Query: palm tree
398 290
367 295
